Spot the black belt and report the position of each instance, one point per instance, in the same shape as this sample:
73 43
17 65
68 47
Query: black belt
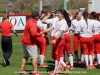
7 36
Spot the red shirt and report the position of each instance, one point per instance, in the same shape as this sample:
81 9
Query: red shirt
31 32
6 27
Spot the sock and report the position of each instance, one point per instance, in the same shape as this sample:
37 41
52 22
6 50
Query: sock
98 57
76 58
91 60
41 59
86 60
93 57
57 64
62 62
82 58
71 59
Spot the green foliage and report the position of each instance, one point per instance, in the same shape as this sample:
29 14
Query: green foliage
68 6
61 6
30 8
2 10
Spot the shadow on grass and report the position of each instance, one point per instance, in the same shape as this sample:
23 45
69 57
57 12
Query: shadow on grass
50 62
1 63
50 65
28 63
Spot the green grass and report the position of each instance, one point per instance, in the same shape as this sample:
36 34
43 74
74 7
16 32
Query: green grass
18 54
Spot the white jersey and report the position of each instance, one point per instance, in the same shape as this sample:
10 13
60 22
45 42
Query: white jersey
60 25
86 29
96 26
41 25
52 21
74 26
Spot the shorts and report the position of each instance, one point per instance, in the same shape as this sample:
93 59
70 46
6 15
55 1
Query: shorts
30 51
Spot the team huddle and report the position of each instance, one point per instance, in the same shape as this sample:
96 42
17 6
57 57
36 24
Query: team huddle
60 26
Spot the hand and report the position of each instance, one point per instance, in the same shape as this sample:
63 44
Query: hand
78 32
93 31
16 35
48 14
42 32
53 41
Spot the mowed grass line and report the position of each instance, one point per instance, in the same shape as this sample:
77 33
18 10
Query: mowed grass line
17 55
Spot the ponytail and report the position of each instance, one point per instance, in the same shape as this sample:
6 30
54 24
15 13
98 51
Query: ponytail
75 15
85 16
66 16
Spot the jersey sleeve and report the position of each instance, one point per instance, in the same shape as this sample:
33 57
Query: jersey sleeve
49 21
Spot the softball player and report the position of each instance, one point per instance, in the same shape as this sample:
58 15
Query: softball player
86 30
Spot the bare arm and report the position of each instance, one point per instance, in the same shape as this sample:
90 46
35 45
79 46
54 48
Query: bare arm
47 30
44 19
60 33
14 31
58 36
70 14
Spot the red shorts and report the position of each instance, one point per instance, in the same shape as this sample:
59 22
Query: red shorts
67 47
96 40
76 43
41 43
57 49
87 45
53 45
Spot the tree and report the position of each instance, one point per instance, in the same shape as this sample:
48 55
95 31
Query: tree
2 10
76 4
23 6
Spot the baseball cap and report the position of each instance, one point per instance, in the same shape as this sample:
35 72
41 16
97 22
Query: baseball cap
35 13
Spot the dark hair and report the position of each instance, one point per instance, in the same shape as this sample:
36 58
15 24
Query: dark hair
5 16
94 15
66 15
35 13
76 14
85 16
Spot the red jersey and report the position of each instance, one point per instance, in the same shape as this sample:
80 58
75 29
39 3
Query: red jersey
31 32
6 27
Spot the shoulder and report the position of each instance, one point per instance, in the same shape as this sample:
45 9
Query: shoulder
73 21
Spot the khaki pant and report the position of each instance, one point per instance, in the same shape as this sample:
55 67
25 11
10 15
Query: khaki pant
30 51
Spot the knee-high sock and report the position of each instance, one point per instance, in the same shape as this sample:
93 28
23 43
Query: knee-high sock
71 59
82 58
62 62
57 64
93 57
86 60
91 60
41 59
98 57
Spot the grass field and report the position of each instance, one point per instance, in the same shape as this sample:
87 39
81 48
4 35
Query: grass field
18 54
